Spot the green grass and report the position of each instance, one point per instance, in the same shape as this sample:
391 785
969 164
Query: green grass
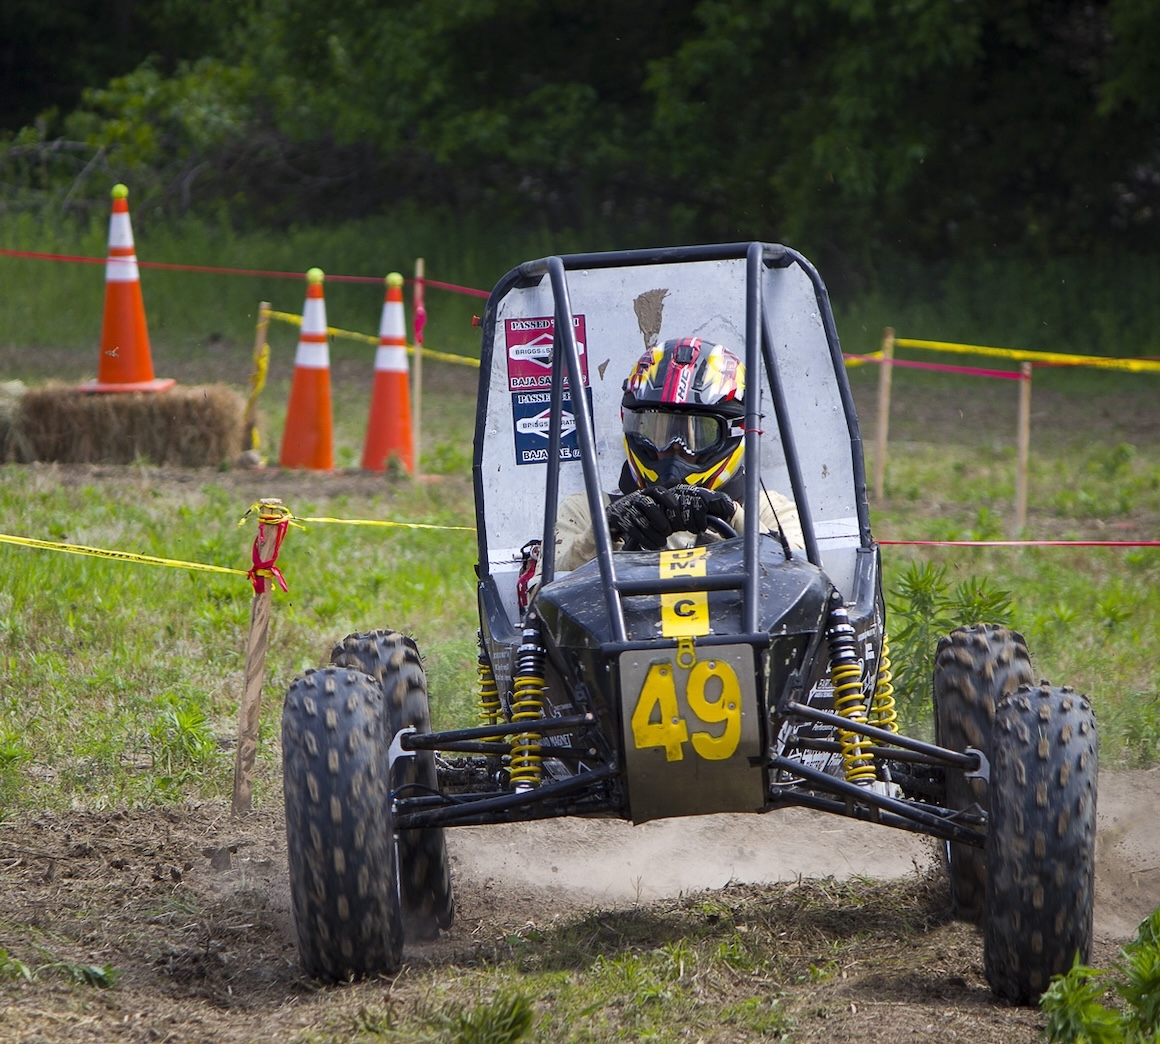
1090 614
120 682
57 304
123 685
725 967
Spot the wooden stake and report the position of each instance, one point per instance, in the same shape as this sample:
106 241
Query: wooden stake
258 377
884 375
1024 440
417 369
270 513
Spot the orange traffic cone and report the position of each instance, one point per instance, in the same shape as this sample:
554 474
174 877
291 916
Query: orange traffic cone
125 364
308 439
389 430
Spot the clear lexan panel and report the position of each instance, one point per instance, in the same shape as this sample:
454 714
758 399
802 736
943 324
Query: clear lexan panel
618 312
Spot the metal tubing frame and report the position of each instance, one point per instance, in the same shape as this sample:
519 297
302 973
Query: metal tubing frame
923 821
898 754
946 831
758 337
939 755
462 806
435 740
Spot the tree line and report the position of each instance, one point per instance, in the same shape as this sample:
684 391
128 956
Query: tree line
853 127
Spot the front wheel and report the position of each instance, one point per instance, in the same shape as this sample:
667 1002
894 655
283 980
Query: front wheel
393 660
974 668
1040 840
339 832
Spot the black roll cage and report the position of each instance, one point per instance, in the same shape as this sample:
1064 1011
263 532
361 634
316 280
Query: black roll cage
759 335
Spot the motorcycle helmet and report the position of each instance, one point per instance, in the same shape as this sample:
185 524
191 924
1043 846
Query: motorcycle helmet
683 414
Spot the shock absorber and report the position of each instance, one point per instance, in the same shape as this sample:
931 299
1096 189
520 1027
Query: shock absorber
489 705
882 709
849 700
528 705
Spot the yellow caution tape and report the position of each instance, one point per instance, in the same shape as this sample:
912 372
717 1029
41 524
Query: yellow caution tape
270 510
120 556
459 360
860 360
275 511
384 522
1051 358
350 335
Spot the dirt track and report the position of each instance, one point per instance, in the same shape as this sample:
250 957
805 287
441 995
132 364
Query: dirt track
192 908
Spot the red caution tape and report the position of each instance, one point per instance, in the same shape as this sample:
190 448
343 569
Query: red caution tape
265 568
1023 543
217 270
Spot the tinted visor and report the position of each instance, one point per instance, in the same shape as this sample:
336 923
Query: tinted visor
695 433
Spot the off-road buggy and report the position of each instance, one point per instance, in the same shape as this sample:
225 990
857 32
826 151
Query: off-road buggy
735 676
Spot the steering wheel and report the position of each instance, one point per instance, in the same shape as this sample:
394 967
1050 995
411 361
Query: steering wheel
719 526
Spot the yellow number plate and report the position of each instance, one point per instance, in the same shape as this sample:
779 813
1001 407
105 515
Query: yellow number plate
691 730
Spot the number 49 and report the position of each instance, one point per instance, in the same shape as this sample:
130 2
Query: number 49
657 721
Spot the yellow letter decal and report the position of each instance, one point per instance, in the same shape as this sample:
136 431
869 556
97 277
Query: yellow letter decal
684 614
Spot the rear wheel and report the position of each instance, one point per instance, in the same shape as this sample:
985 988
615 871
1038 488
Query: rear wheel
338 826
393 660
974 668
1040 841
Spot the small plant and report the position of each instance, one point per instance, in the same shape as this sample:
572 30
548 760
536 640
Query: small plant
924 605
13 752
12 968
103 976
1117 461
506 1017
1112 609
1076 1013
183 744
988 525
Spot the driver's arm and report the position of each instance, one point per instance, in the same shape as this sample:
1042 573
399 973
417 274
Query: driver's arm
575 537
776 508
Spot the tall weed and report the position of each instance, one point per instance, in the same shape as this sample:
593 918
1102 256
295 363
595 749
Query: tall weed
924 605
1073 1004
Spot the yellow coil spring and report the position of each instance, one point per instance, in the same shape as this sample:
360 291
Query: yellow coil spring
489 705
857 762
882 711
527 704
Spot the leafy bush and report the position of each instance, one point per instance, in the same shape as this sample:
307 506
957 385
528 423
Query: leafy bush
1077 1015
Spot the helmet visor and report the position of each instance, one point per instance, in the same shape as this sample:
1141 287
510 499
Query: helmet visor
695 433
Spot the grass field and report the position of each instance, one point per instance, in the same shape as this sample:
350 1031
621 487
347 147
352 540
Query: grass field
132 665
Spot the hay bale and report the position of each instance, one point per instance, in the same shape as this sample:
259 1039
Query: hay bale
186 427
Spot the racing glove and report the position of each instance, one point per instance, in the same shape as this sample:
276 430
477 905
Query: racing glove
640 520
695 505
